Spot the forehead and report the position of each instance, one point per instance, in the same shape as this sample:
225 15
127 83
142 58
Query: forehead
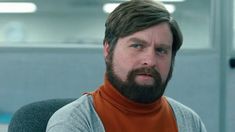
157 34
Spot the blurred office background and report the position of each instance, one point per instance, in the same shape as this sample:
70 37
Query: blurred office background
56 52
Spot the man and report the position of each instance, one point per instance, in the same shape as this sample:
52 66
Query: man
140 44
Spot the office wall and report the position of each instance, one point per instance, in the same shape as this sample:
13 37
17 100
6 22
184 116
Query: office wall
29 75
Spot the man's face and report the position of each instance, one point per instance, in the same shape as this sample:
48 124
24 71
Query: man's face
141 62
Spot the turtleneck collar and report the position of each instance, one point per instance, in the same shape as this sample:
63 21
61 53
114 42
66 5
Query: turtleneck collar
112 95
118 113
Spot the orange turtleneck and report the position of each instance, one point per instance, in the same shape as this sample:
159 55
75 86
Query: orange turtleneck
119 114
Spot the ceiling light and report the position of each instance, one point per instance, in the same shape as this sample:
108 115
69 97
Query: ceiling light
109 7
170 8
171 0
162 0
17 7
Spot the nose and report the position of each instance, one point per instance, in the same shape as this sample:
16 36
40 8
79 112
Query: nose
149 58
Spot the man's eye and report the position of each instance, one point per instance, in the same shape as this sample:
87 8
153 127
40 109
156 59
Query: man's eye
137 46
161 50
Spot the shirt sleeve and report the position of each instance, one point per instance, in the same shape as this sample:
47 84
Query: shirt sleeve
65 127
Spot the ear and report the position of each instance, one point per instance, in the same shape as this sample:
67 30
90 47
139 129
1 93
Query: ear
106 49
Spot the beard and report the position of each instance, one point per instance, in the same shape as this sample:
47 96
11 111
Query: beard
139 93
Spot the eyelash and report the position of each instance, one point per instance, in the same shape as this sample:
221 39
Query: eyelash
137 46
161 50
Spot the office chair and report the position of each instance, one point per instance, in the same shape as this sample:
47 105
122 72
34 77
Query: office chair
34 117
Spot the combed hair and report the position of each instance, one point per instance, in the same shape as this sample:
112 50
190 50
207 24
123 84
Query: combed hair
136 15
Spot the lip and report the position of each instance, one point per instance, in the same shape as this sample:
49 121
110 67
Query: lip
149 75
145 76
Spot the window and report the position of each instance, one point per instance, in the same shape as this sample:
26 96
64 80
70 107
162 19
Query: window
234 25
193 17
67 22
62 22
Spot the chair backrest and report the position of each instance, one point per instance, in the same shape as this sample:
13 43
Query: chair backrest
34 117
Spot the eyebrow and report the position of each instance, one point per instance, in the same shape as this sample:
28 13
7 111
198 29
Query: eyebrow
138 40
166 46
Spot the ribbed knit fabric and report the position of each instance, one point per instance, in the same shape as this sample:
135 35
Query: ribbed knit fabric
119 114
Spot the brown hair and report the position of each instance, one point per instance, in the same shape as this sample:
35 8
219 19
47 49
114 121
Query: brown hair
136 15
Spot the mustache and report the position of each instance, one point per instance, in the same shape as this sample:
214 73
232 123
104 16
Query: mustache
150 71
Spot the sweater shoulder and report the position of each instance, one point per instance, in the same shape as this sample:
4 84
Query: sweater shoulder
78 115
186 118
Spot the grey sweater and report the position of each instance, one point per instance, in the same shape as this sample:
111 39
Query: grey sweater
80 116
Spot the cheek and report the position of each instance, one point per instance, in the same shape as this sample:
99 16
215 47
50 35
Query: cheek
164 69
121 66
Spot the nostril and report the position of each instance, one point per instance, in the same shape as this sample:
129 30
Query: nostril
148 63
145 63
